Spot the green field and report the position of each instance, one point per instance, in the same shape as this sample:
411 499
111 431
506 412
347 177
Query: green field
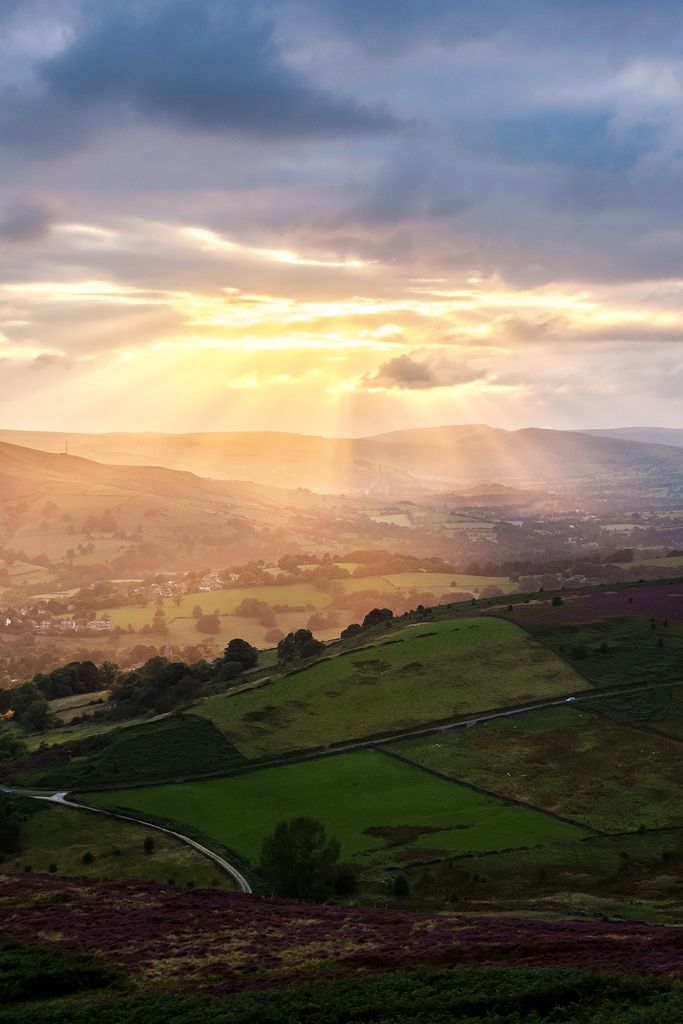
635 877
171 747
60 835
419 815
568 761
632 656
424 673
660 709
224 601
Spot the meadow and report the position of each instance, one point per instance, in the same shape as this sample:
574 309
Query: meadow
633 877
382 811
591 769
618 651
171 747
421 674
660 709
62 836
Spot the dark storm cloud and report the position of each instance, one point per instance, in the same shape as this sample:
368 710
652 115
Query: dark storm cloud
27 220
205 65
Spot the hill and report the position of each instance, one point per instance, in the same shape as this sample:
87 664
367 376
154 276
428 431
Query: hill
52 502
402 462
646 435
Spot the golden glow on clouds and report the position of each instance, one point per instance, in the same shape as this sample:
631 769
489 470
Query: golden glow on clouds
209 241
235 356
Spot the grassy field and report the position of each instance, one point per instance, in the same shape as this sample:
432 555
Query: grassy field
635 877
426 673
61 836
168 748
569 761
660 709
633 654
409 813
224 601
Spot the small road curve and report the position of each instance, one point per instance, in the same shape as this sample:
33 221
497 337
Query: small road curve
62 798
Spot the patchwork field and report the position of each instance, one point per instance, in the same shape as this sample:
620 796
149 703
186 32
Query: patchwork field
424 673
574 763
382 811
61 836
172 747
660 709
612 652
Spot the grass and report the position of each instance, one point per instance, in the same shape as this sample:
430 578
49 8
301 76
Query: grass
474 996
574 763
74 733
660 709
172 747
61 836
417 813
296 594
633 654
635 877
428 672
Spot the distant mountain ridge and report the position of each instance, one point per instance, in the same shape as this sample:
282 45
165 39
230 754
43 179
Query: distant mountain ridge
405 462
645 435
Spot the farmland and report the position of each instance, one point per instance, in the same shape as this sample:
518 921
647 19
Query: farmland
424 673
660 709
62 836
383 812
574 763
626 650
171 747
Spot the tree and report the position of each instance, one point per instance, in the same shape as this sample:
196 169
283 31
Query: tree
400 886
241 651
299 646
148 844
377 616
298 859
10 824
353 629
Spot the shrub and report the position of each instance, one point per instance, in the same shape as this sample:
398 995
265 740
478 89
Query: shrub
400 887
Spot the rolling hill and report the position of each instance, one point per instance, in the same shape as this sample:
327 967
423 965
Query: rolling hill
402 462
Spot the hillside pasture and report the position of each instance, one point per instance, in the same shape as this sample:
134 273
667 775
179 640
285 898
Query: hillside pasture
425 673
166 748
383 812
568 761
618 651
61 836
660 709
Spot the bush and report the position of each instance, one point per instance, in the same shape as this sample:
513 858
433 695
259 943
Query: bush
400 887
148 844
88 857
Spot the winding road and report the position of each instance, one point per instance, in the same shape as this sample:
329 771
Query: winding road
62 798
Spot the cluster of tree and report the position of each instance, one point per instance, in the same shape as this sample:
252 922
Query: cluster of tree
298 861
161 685
375 617
29 708
75 678
299 646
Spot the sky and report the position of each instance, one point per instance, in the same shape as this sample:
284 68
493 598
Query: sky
340 217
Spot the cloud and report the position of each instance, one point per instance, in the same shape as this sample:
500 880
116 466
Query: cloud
407 373
27 220
204 65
